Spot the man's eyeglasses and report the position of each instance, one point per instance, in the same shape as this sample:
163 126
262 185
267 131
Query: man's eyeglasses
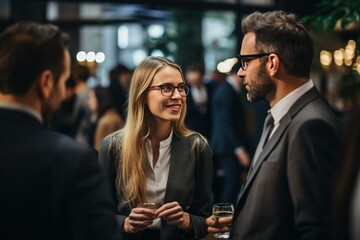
245 59
167 90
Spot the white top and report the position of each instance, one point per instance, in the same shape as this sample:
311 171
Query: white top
158 174
21 108
282 107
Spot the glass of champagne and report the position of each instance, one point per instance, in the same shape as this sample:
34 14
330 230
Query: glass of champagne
148 205
151 205
222 210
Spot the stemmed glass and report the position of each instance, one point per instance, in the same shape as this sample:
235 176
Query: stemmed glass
222 210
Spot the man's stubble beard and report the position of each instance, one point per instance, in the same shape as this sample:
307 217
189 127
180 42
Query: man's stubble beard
261 87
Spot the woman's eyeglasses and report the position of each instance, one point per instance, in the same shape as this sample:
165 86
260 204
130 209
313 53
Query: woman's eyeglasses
167 90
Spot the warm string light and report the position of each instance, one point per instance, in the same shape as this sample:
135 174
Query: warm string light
356 66
325 57
90 57
343 56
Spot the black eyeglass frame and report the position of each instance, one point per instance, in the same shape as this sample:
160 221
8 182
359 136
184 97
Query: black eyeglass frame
243 58
161 88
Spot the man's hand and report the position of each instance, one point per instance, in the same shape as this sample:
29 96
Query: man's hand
219 226
243 157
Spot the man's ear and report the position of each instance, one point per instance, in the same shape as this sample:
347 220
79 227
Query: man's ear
45 84
273 64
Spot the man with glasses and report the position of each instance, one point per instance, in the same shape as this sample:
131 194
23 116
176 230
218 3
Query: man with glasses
289 186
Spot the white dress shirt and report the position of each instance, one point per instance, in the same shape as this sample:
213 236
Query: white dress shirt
158 174
282 107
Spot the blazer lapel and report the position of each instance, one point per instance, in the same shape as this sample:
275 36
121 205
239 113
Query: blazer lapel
271 144
177 167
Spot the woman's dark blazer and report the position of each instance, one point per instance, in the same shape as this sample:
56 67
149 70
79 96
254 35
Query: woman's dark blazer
189 183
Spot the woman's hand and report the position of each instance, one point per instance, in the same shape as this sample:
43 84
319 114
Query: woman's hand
139 219
173 214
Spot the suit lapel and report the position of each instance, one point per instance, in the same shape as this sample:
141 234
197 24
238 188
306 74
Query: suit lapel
177 166
270 145
273 141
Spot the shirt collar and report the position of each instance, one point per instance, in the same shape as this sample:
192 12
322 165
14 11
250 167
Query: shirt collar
21 108
279 110
164 143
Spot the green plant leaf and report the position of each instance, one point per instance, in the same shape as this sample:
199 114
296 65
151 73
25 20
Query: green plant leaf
346 20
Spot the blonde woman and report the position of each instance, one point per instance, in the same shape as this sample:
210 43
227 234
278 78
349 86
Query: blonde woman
155 158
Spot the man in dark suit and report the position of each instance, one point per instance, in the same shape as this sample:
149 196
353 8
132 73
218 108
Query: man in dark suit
51 187
198 115
288 190
229 139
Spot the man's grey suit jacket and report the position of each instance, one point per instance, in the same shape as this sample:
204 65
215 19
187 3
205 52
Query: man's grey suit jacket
288 192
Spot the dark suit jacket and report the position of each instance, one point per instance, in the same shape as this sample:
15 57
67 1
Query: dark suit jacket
228 121
189 183
51 187
196 118
288 193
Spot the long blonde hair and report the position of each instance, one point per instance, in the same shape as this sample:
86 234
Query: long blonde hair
129 143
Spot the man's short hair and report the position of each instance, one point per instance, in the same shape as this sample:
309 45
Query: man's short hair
283 34
26 50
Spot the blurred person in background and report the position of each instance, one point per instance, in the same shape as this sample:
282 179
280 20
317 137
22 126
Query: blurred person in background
51 186
81 112
155 158
214 79
63 119
120 78
198 116
104 116
229 139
